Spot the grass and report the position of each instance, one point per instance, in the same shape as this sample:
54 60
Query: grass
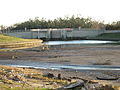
109 36
5 38
8 87
11 43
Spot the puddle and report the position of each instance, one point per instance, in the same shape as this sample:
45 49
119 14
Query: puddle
56 66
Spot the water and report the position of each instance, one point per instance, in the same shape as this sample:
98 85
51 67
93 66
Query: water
56 66
81 42
59 66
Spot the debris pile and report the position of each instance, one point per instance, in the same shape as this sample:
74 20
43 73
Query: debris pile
24 78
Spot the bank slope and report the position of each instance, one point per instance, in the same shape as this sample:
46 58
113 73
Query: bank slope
9 42
108 36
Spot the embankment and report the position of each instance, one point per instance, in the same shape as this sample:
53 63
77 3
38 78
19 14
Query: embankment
9 42
21 45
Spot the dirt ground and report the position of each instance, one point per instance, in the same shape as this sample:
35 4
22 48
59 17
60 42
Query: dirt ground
106 55
84 55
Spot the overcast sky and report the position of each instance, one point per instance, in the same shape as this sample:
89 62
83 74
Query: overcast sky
15 11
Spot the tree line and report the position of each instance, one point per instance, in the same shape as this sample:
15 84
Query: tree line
66 22
113 26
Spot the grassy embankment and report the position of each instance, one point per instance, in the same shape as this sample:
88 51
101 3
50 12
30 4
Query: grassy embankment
108 36
9 42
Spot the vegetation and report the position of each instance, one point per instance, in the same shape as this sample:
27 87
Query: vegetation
113 26
109 36
5 38
10 43
66 22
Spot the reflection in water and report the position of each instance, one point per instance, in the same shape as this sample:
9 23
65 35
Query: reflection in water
79 42
56 66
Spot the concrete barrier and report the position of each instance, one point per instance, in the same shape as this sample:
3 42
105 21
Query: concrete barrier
66 33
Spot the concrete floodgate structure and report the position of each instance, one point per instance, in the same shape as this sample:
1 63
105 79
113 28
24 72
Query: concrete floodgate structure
57 34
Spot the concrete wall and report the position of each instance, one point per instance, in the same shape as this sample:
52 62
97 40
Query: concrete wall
26 35
64 34
58 33
42 34
55 34
112 31
86 33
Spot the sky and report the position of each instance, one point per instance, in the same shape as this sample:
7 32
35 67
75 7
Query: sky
16 11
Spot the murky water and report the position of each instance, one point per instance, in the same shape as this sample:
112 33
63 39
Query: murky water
81 42
59 66
56 66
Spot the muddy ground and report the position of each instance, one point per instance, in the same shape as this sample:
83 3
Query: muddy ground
84 55
109 55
